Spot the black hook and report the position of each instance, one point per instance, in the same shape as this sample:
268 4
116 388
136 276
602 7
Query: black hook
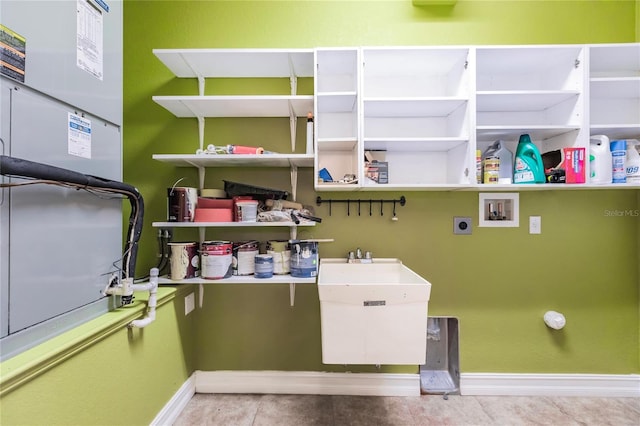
381 204
358 207
329 207
369 207
348 207
394 208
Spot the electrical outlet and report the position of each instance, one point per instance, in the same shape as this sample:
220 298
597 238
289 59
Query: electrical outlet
535 225
189 304
462 225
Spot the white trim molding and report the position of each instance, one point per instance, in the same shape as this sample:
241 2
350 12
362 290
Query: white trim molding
176 404
384 384
585 385
307 382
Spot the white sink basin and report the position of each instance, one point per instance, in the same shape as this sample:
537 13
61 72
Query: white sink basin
372 313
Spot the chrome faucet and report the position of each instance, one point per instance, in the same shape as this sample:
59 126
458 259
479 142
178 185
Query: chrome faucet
356 257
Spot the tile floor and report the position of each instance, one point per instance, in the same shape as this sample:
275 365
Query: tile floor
302 410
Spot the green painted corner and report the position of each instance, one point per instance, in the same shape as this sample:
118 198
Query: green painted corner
95 373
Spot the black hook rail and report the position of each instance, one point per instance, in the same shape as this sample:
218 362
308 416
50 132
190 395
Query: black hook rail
402 201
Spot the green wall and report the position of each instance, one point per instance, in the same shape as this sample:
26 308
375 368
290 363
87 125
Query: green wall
103 373
498 283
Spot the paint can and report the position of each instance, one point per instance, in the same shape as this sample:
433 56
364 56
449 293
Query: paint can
181 204
281 253
491 170
304 259
247 210
244 253
264 266
216 259
183 260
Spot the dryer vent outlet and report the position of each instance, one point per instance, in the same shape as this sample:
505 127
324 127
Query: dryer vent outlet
462 225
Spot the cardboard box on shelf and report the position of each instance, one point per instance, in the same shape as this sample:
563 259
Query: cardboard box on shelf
574 165
377 171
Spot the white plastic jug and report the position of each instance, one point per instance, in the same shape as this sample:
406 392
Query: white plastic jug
600 161
633 161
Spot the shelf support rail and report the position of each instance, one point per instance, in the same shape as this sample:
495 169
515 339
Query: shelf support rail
293 119
294 180
200 85
293 78
292 293
358 202
201 132
293 82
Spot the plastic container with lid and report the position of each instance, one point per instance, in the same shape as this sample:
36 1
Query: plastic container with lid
528 167
600 171
632 165
247 210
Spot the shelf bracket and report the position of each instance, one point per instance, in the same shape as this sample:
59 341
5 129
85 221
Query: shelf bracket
293 119
201 174
201 132
294 181
293 234
293 82
292 293
293 78
201 85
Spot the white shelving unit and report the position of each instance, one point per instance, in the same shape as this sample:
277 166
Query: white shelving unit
204 64
614 84
236 160
337 132
416 109
410 102
424 109
537 90
249 279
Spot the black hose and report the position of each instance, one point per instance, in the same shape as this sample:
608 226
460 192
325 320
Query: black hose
12 166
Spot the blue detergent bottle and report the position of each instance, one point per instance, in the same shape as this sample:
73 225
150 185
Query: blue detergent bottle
528 167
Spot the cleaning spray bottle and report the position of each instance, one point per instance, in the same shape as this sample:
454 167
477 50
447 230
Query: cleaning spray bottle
619 160
600 162
528 167
633 161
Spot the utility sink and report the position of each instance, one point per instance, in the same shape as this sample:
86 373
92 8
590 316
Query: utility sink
372 313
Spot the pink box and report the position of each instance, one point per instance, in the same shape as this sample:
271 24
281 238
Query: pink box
574 165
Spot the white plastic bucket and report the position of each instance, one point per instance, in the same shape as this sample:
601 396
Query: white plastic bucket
247 210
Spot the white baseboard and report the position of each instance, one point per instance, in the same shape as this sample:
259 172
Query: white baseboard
586 385
384 384
176 404
307 382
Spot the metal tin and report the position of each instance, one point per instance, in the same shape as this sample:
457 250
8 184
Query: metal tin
491 170
281 252
264 266
216 259
244 253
